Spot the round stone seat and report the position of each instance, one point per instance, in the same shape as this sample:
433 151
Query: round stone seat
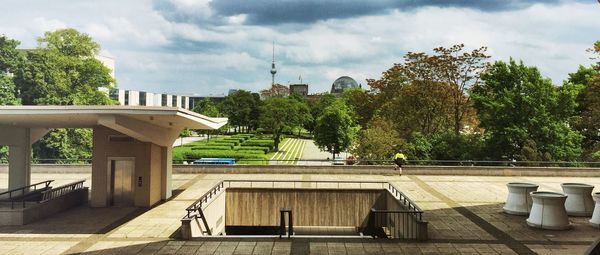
548 211
595 221
518 201
579 201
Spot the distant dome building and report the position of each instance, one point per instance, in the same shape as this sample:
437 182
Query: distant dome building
343 83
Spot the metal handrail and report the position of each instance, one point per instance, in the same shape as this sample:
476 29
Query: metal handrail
466 162
23 192
404 222
61 191
403 198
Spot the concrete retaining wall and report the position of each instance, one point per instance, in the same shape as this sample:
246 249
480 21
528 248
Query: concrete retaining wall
375 170
31 213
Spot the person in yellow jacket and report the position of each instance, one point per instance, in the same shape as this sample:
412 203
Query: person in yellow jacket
399 159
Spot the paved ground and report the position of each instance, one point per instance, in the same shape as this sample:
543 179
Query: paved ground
312 152
289 151
185 140
464 213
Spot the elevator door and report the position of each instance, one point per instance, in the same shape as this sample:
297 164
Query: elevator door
121 182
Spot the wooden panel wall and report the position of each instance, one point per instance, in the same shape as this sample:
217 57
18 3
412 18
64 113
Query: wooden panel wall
260 207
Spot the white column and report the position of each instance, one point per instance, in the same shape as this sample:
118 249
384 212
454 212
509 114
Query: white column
167 172
19 159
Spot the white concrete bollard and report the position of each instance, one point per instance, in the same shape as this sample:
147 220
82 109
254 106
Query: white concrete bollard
595 221
548 211
579 201
518 201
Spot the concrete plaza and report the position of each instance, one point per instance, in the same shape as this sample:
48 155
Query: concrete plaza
464 213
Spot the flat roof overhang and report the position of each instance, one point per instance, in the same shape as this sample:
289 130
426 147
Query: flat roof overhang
159 125
90 116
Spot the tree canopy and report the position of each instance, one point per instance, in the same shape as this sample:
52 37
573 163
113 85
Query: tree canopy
279 115
335 128
525 116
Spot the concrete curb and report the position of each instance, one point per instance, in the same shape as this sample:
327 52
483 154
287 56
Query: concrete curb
365 170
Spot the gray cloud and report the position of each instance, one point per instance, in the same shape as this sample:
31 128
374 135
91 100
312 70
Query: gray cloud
276 12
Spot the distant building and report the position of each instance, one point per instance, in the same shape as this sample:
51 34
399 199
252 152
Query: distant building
301 89
343 83
142 98
108 62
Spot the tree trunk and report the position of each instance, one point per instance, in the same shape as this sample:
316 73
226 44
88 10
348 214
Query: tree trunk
457 120
276 141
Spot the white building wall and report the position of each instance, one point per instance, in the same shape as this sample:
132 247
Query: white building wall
179 102
121 97
169 100
134 97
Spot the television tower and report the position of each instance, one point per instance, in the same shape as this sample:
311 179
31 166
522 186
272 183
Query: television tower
273 70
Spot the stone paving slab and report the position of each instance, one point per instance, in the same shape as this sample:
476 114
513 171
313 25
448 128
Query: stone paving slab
464 214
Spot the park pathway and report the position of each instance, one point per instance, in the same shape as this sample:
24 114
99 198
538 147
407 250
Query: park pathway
289 152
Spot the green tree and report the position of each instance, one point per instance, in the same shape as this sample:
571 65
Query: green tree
63 71
240 107
379 141
316 108
335 129
278 115
10 59
587 82
453 69
525 116
362 104
304 114
207 108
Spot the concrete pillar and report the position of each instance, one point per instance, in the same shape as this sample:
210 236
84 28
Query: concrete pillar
19 158
166 173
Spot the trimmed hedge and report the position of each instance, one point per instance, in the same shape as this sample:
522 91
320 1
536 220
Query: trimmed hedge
208 147
222 154
254 148
239 140
230 145
260 143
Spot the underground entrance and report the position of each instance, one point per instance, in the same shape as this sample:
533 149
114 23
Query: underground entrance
304 208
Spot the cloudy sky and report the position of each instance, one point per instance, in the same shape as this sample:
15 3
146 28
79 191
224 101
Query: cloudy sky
207 47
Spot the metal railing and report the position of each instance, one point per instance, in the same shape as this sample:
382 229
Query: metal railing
382 219
465 162
61 190
24 194
218 188
502 163
398 224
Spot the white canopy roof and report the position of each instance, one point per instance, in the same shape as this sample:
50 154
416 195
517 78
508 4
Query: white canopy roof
90 116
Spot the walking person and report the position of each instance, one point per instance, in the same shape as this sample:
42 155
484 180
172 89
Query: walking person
399 159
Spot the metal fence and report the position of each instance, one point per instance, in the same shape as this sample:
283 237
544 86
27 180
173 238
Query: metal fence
505 163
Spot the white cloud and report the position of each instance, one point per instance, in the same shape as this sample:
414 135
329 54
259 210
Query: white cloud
209 56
